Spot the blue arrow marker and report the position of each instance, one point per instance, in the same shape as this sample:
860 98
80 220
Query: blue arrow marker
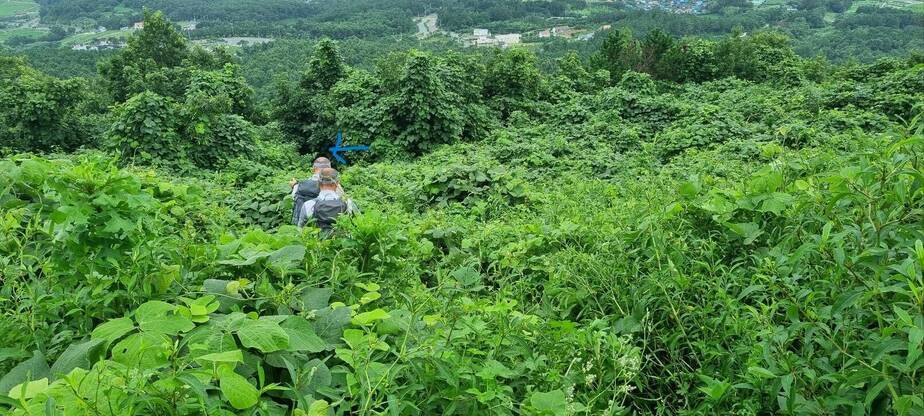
337 148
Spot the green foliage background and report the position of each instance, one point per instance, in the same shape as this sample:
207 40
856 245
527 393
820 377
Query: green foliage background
677 226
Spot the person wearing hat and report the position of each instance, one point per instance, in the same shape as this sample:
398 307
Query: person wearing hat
328 205
307 189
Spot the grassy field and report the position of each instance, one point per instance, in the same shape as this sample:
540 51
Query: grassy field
21 31
89 37
898 4
14 7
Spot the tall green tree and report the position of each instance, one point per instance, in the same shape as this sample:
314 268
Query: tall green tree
691 59
759 57
362 112
618 53
145 129
423 110
211 120
305 111
38 112
654 46
158 41
573 75
513 81
325 68
465 77
151 60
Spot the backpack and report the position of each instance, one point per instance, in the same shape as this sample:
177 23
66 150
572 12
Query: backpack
326 212
308 189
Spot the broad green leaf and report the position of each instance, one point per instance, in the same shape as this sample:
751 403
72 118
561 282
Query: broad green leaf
330 322
287 257
761 372
369 297
302 336
263 334
161 318
113 329
239 392
467 277
145 350
207 338
314 298
234 356
31 369
766 181
399 321
376 373
776 202
553 402
355 338
493 369
82 354
198 310
718 204
749 231
195 384
28 390
689 189
318 408
316 376
367 318
226 298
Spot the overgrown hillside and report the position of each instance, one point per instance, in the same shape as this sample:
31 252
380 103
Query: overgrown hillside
679 226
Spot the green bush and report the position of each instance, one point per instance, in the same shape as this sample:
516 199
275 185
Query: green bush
144 130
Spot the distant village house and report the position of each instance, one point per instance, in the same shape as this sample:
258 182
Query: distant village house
562 31
508 39
99 45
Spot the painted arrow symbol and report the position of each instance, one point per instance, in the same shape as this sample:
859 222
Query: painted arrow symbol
337 148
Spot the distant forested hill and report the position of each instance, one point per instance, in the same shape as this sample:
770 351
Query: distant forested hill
837 29
68 10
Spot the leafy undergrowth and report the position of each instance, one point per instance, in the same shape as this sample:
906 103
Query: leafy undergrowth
798 289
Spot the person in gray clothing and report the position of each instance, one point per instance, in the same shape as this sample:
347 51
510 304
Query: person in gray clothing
328 205
307 189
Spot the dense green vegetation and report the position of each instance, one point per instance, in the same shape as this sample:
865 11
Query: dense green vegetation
673 226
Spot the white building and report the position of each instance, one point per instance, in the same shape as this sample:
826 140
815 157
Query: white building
562 31
485 41
481 33
508 39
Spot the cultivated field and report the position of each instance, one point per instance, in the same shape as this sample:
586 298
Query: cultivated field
6 34
16 7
